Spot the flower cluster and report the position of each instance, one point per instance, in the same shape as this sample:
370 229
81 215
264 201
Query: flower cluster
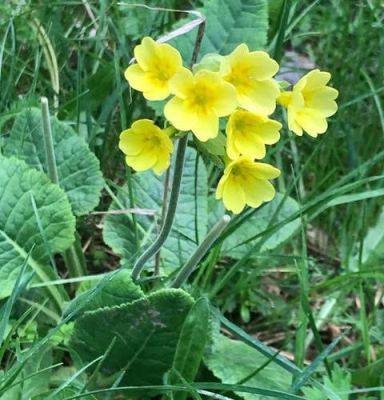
240 86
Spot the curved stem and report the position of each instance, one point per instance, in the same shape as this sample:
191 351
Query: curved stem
178 173
201 251
168 220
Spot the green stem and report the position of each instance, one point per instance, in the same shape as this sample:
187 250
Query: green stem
75 265
200 252
168 220
48 142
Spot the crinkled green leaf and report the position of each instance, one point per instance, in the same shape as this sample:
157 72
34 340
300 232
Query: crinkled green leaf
46 231
146 333
78 168
234 362
190 224
229 23
280 208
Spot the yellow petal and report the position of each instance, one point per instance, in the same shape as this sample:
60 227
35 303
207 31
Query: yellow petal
312 121
263 66
259 97
142 162
323 100
269 132
137 78
220 187
316 79
145 53
159 90
258 192
233 196
266 171
205 126
178 115
131 143
249 145
170 56
181 83
163 162
227 100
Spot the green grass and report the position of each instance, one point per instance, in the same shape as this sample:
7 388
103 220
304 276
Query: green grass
297 299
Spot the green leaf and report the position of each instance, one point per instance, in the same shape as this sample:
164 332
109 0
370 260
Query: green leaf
233 362
229 23
146 333
190 348
36 217
78 168
271 213
190 224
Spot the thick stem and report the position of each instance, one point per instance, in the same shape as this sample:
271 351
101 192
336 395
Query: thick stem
48 142
168 220
200 252
178 173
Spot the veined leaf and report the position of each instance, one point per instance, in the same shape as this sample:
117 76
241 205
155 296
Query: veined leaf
145 334
34 214
77 167
190 224
229 22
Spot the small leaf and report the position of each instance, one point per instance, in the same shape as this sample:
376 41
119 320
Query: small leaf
77 167
190 348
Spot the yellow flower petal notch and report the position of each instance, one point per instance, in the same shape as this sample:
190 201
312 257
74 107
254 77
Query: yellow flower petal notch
310 103
146 146
251 74
199 101
248 133
156 64
246 182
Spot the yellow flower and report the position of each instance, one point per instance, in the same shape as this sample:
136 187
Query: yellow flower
146 146
248 133
156 64
246 182
310 103
199 101
251 73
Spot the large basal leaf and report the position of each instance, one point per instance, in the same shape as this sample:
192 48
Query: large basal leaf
34 215
145 334
234 362
229 23
190 224
272 213
78 168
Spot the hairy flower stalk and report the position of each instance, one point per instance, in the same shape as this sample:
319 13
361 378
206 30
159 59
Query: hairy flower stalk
177 175
200 252
72 260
